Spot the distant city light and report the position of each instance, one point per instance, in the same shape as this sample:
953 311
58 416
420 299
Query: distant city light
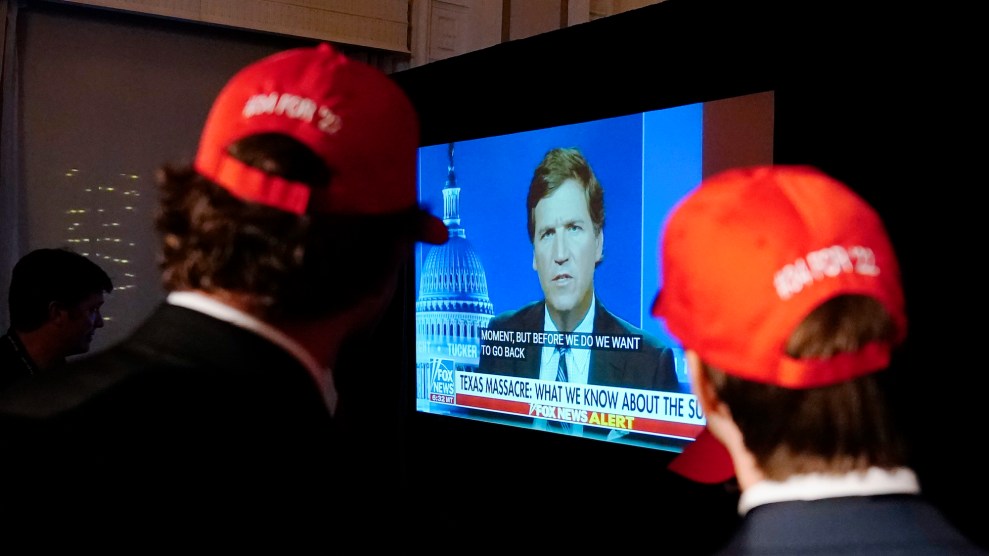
91 213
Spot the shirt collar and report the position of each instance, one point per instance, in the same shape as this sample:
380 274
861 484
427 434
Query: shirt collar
29 366
816 486
216 309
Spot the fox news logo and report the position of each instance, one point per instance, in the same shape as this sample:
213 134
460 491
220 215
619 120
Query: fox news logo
441 377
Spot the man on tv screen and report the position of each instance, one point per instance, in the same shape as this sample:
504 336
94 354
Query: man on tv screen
566 215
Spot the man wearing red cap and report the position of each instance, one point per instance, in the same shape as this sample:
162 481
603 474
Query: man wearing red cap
784 289
280 242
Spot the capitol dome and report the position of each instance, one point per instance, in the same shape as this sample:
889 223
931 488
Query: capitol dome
453 279
452 304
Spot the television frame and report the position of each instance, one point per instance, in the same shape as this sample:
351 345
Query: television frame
646 162
840 88
624 64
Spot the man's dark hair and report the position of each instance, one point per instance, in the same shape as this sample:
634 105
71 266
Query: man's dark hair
294 266
843 427
46 276
557 166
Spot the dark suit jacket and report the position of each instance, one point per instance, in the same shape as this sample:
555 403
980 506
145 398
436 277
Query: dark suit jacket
650 368
15 363
887 524
190 423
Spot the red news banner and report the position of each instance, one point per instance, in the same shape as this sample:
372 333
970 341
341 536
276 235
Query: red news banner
648 411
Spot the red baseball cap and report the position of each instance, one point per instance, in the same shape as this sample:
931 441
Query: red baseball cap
356 118
746 256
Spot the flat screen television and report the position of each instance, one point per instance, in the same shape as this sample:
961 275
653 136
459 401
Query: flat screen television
653 114
645 162
830 95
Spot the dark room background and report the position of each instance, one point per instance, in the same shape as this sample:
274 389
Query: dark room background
93 101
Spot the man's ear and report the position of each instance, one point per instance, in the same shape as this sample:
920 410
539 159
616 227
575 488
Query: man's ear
699 383
56 312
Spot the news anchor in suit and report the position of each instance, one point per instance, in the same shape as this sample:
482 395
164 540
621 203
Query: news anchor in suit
565 207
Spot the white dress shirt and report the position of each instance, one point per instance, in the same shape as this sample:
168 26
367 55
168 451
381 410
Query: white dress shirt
578 359
816 486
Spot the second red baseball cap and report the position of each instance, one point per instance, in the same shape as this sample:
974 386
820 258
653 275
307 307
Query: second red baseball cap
746 256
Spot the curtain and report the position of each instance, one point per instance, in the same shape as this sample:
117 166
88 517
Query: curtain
94 101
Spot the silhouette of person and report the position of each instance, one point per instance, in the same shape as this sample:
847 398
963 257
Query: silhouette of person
785 291
54 302
281 242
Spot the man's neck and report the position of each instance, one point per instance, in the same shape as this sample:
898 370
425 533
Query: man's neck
38 346
568 321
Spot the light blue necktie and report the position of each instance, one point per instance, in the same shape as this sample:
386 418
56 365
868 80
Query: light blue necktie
563 376
561 369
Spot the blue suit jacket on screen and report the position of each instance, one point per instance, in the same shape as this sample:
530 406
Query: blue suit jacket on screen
650 368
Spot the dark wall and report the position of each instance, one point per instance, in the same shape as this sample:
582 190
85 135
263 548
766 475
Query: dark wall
871 98
880 100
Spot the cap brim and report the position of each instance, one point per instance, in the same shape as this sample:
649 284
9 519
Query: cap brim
705 460
655 304
431 229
